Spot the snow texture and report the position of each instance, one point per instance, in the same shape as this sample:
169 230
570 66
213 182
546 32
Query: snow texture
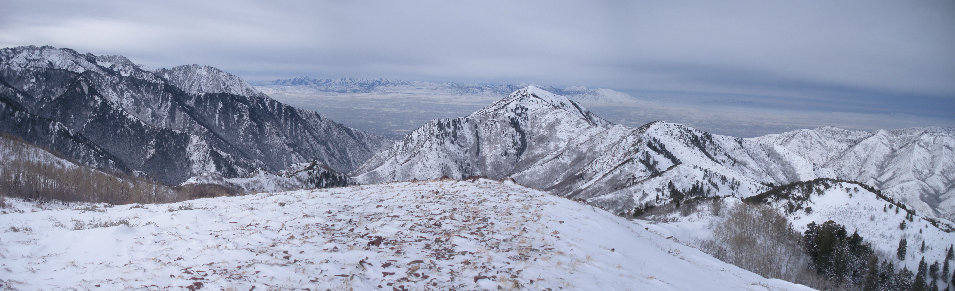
416 235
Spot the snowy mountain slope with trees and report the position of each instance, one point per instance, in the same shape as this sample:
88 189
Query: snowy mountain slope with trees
31 172
298 176
879 220
441 234
196 79
915 166
169 125
546 141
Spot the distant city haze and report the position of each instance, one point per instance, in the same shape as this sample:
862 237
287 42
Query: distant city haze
396 107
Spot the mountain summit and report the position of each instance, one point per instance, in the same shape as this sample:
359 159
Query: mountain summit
197 79
507 137
534 98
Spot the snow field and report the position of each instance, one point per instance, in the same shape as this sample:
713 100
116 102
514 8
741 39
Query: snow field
415 235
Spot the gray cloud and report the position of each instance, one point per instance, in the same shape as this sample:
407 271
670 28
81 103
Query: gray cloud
798 50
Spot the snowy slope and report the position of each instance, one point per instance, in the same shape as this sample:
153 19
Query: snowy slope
915 166
29 171
13 150
311 175
196 79
436 235
859 209
168 125
845 203
546 141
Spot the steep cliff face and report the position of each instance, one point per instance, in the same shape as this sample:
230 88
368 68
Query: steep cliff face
169 125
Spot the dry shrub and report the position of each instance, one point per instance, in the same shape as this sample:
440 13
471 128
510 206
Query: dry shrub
194 191
757 238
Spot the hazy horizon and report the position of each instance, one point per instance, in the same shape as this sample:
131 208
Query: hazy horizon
865 64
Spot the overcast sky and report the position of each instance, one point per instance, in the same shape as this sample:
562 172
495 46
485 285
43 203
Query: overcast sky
880 56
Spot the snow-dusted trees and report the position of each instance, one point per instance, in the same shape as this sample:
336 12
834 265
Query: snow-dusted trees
759 239
900 253
675 194
836 254
945 269
920 284
850 261
951 253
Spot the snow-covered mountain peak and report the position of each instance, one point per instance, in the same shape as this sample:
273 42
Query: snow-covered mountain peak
533 94
111 60
196 79
662 126
46 57
670 130
537 100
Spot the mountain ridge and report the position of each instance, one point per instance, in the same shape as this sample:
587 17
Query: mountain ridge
149 125
620 168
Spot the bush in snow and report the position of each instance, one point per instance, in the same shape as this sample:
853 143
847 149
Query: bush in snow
759 239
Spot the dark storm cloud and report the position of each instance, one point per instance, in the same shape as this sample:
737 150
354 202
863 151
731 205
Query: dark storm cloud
802 50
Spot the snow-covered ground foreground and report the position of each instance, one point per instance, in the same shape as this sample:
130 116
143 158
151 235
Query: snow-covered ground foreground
415 235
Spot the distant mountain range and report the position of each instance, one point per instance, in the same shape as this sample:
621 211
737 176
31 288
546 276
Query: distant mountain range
547 141
198 124
169 124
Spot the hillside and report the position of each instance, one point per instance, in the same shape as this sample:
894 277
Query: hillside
168 125
549 142
31 172
852 205
440 234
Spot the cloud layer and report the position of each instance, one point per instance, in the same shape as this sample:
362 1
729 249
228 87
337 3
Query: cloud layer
858 52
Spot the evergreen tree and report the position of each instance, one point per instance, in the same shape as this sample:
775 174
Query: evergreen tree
844 258
886 274
951 253
902 280
900 253
922 249
933 272
675 194
945 270
871 281
920 284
